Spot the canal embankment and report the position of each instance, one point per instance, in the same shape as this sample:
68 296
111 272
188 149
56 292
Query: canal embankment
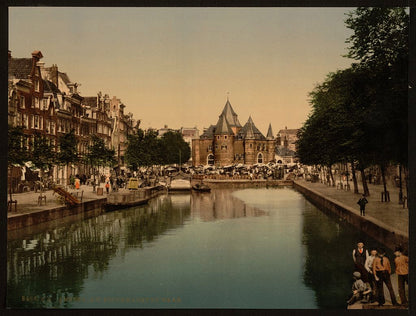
30 210
386 222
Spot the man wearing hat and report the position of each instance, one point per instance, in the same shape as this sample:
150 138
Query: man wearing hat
382 271
358 288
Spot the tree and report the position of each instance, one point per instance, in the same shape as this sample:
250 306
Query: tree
98 154
174 148
143 149
380 44
42 155
67 149
17 151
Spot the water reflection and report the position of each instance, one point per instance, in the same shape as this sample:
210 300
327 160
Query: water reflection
51 266
328 262
221 204
250 248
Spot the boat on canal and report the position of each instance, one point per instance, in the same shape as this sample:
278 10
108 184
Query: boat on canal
201 188
127 198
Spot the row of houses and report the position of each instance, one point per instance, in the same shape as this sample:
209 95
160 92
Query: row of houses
44 100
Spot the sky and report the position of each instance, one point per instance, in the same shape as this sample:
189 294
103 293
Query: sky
177 66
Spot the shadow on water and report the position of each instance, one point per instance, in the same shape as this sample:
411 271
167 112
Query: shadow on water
50 266
329 263
47 269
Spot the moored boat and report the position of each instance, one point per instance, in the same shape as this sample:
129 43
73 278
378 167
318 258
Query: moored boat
201 188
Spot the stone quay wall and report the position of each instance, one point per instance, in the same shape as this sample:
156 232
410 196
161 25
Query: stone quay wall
372 227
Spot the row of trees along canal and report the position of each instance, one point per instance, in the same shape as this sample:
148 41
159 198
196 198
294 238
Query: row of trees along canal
144 149
359 114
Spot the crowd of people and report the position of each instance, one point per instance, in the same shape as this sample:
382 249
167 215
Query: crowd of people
373 270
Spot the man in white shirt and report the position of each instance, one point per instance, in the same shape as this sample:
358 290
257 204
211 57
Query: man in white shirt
369 267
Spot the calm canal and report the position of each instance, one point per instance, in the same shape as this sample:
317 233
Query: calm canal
231 248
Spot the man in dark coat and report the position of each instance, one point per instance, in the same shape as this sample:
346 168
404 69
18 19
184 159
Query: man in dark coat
362 202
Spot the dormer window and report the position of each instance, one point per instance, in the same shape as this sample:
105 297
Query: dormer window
36 85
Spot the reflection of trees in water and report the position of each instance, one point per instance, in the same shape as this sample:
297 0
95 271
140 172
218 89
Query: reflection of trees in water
53 265
329 264
220 204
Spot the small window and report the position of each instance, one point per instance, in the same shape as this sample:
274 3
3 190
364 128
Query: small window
36 102
225 137
22 102
251 145
36 85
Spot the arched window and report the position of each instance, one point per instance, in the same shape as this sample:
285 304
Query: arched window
210 159
260 158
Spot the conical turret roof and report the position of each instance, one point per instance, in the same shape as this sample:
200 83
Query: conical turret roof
250 131
230 115
223 127
270 132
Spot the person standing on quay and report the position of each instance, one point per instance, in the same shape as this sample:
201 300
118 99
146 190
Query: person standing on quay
402 271
371 277
360 255
362 202
382 271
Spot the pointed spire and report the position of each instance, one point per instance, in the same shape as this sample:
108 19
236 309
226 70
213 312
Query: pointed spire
270 132
229 113
223 127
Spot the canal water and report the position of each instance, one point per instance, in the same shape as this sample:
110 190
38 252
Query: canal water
231 248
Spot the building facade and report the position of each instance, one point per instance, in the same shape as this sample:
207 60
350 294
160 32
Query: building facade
45 101
228 142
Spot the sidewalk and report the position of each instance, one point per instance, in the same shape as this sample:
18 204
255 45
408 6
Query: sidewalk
27 202
391 214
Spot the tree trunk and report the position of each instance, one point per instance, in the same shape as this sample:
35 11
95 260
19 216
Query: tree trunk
383 177
365 186
400 185
354 178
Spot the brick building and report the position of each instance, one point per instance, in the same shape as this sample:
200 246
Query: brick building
228 142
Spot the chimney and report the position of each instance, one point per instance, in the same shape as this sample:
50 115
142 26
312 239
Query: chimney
54 75
37 55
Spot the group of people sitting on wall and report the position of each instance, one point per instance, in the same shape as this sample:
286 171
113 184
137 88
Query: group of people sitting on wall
372 270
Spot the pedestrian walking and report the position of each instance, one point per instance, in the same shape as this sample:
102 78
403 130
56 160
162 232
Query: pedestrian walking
77 183
402 271
371 278
107 186
362 202
360 255
382 271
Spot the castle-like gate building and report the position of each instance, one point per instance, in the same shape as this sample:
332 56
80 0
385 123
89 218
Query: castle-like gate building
228 142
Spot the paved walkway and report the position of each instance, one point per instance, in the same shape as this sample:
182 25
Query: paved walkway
27 202
390 213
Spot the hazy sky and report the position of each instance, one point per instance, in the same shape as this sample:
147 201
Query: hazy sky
175 66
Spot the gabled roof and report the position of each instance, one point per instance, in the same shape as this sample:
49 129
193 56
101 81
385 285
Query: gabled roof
19 68
270 132
250 131
208 133
292 131
230 115
90 101
64 77
50 87
223 127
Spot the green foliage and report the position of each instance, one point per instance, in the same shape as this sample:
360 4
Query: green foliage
43 154
67 149
175 149
146 149
360 113
98 154
17 151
